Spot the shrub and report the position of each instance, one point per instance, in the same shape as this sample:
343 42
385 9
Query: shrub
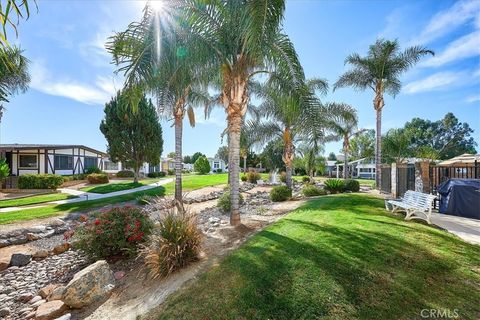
202 166
352 185
312 191
305 179
171 172
116 231
4 169
93 170
144 199
223 203
40 181
253 176
159 174
243 177
97 178
280 193
219 171
334 185
175 244
125 174
283 176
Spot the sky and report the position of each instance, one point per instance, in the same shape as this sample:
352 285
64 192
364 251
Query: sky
72 76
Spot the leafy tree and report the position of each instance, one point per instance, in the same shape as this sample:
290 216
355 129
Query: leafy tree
380 71
17 8
171 155
202 166
271 155
187 159
363 145
222 153
197 155
14 75
4 170
448 137
396 145
311 159
332 156
134 135
237 40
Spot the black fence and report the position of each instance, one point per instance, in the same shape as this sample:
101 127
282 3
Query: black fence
439 174
405 179
386 182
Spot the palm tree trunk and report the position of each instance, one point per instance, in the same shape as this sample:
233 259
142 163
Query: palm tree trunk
378 149
178 160
234 130
345 165
288 177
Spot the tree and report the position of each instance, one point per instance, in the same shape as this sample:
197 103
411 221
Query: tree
448 137
14 75
162 63
197 155
380 71
187 159
202 166
396 145
332 156
239 39
222 153
363 145
171 155
18 8
312 159
271 155
134 135
343 126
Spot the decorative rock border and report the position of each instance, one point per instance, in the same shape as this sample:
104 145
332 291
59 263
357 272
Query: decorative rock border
24 235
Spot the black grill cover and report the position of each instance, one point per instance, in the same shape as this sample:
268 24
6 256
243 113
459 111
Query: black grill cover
460 197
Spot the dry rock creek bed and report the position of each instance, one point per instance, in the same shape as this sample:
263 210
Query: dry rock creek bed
40 261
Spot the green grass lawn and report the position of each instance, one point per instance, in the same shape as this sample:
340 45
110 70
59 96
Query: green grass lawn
366 182
112 187
337 257
190 182
34 200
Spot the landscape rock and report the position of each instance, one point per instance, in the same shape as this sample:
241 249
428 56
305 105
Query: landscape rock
30 315
4 312
61 248
38 303
4 265
4 243
32 236
20 259
57 293
46 291
25 297
89 285
40 254
119 275
67 316
51 310
35 299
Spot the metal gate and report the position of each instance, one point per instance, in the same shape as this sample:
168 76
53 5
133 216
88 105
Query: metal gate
405 179
386 182
439 174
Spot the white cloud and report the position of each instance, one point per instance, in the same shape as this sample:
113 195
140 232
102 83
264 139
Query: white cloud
99 93
216 118
434 82
464 47
472 99
448 20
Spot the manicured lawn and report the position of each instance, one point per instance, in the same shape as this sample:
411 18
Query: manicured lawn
112 187
337 257
190 182
366 182
34 200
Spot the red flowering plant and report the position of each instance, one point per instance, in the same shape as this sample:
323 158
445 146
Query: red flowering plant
113 232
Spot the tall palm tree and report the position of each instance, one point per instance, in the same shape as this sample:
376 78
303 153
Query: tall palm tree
14 77
380 71
160 61
287 113
17 8
344 126
240 38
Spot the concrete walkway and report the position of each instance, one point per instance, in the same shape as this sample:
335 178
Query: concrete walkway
465 228
84 196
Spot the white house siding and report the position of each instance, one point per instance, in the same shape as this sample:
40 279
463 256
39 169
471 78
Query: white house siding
216 164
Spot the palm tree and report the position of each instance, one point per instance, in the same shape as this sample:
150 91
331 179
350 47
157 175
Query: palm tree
14 77
287 113
168 74
343 126
239 39
380 71
18 8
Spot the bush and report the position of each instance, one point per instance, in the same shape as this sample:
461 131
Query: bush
159 174
244 177
125 174
116 231
175 244
312 191
352 185
93 170
306 179
334 185
219 171
223 203
202 166
253 176
280 193
144 199
97 178
40 181
283 177
171 172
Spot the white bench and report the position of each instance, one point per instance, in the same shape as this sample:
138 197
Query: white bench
412 203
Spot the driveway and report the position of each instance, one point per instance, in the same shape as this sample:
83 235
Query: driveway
465 228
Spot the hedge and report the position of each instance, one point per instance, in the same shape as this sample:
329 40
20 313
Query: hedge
97 178
159 174
40 181
125 174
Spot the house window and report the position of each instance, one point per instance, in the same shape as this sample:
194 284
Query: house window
109 165
63 162
90 162
28 161
216 165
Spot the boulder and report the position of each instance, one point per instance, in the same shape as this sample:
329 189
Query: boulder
57 294
46 291
32 236
40 254
51 310
38 303
20 259
4 264
4 312
34 299
89 285
61 248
